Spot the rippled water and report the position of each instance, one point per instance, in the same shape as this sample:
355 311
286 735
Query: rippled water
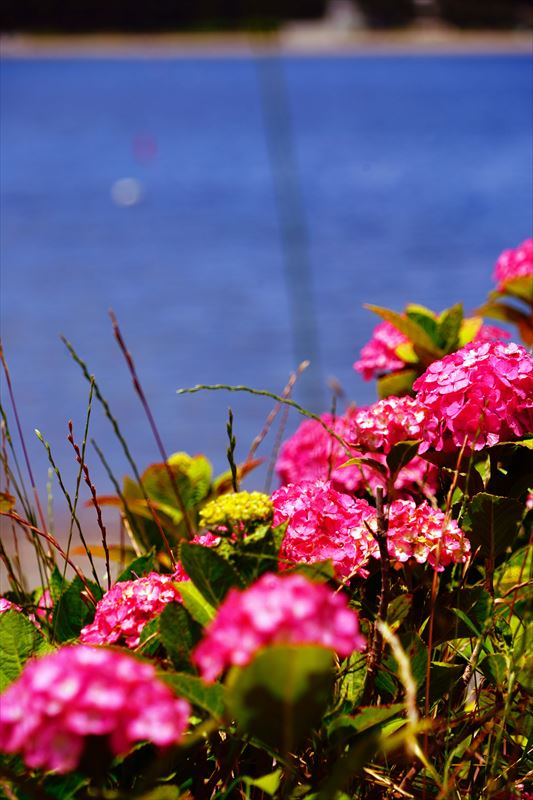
413 173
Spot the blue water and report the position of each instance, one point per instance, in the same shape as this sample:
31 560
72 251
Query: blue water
415 172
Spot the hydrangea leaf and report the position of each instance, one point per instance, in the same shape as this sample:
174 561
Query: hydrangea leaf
208 697
397 383
137 568
19 640
179 633
71 612
400 455
195 603
366 718
282 694
521 287
494 522
414 331
450 322
212 575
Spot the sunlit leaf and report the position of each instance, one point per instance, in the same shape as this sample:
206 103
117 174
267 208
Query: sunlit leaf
212 575
209 697
413 330
397 383
282 694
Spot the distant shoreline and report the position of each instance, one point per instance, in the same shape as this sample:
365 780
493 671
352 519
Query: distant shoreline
294 40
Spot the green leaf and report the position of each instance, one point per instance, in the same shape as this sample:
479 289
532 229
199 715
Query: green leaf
426 320
494 523
319 571
520 287
19 640
398 609
362 461
267 783
179 633
65 787
71 612
503 312
195 603
353 681
469 329
397 383
212 575
209 697
413 330
450 322
139 567
367 717
282 694
400 455
494 668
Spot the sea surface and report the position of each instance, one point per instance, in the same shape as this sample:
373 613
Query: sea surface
236 213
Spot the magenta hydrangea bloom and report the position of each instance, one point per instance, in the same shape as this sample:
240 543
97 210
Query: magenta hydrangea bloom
125 609
478 396
324 524
80 691
487 333
277 609
7 605
378 356
425 534
387 422
517 263
312 454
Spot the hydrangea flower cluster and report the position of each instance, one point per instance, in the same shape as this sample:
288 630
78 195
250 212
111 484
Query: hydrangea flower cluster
512 264
7 605
324 524
387 422
425 534
276 609
379 356
81 691
313 454
125 609
239 511
479 395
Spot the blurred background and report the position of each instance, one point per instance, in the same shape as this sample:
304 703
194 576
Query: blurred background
235 179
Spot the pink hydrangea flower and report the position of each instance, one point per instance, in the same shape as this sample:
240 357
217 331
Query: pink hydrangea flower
324 524
7 605
312 453
125 609
44 606
276 609
425 534
487 333
387 422
517 263
480 395
80 691
378 356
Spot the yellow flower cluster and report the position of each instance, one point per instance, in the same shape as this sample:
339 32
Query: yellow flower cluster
242 510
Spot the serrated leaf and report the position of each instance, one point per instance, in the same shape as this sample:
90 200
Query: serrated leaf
195 603
138 567
212 575
281 694
397 383
494 522
71 612
179 633
413 330
19 640
400 455
209 697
